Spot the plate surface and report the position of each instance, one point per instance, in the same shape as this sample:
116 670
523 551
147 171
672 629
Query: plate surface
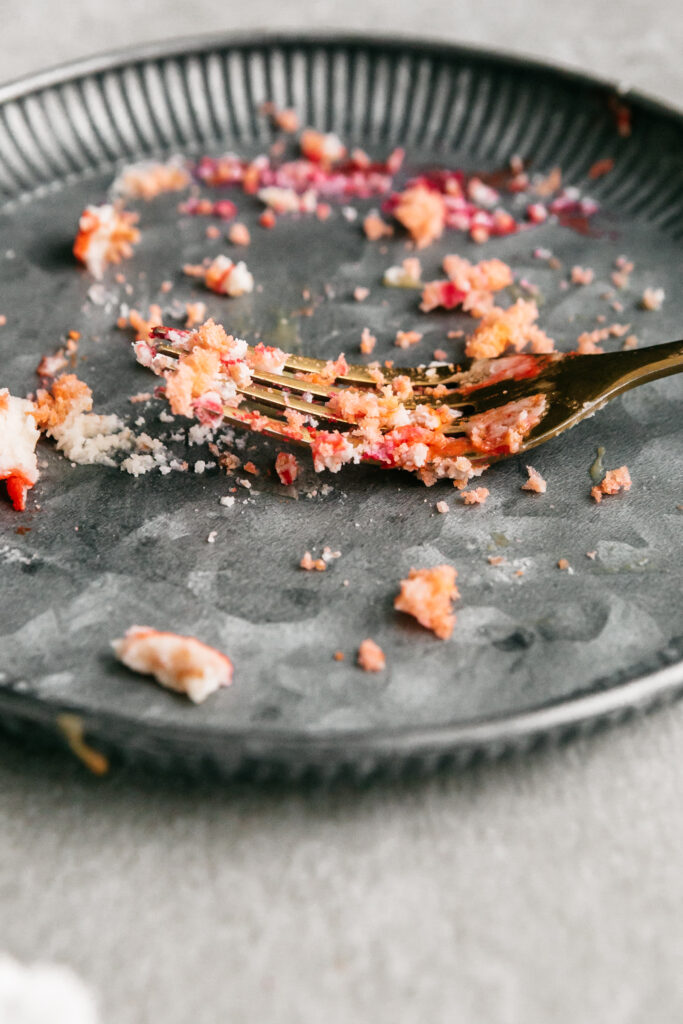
535 650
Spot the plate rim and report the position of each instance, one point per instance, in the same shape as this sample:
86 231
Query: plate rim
499 734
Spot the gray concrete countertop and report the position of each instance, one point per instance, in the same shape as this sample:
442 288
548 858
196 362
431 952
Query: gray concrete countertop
544 888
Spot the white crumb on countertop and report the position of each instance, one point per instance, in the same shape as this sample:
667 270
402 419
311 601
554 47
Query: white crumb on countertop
43 994
227 500
211 539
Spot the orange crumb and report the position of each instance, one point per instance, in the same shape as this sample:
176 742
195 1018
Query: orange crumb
166 286
496 560
427 595
376 228
563 564
213 232
423 213
196 314
404 339
239 234
249 467
367 342
309 563
615 480
54 406
477 496
338 655
267 219
600 168
371 657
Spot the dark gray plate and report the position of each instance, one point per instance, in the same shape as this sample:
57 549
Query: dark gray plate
531 654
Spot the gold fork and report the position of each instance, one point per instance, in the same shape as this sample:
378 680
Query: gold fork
573 386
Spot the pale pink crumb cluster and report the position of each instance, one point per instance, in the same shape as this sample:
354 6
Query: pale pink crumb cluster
470 286
376 228
360 293
615 480
239 234
223 276
535 482
149 179
371 657
653 299
180 663
405 339
582 275
477 496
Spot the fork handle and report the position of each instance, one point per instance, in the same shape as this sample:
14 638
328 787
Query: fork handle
643 364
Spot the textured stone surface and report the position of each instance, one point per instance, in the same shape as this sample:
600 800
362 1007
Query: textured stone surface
507 894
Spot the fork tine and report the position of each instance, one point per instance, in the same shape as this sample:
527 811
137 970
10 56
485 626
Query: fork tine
280 400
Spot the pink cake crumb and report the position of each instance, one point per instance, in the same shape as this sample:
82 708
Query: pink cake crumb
615 480
180 663
239 234
360 293
652 299
582 275
376 228
477 496
404 339
371 657
535 482
367 341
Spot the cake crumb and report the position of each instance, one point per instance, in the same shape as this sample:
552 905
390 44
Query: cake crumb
371 657
495 560
239 234
180 663
442 507
211 539
591 555
582 275
309 563
367 341
477 496
287 468
338 655
427 594
615 480
535 482
404 339
360 293
376 228
563 564
652 299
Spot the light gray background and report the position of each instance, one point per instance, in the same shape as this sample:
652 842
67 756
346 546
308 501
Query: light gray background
542 889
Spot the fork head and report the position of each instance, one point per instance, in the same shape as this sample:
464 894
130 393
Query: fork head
491 410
